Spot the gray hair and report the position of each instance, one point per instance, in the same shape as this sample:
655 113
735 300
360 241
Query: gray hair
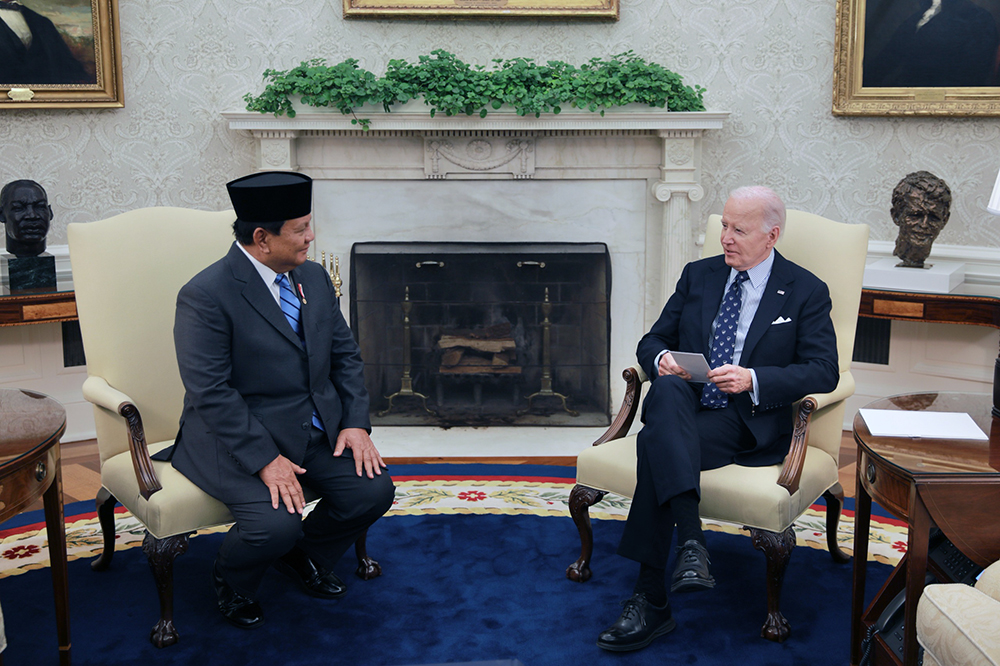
772 207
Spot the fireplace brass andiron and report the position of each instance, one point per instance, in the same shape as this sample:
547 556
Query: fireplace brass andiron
546 390
406 381
334 271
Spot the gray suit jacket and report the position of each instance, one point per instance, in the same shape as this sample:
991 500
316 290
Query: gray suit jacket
250 385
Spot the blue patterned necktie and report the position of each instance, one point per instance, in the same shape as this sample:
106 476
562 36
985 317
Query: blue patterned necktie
293 313
724 340
289 304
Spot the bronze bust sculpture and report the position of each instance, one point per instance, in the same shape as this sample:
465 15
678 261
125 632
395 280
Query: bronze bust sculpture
921 205
26 214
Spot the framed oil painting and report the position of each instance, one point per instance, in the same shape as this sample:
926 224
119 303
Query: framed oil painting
917 57
60 54
561 9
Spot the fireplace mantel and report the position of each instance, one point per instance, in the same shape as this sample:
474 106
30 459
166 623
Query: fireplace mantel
644 143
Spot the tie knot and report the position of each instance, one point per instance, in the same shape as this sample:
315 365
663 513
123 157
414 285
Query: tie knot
280 279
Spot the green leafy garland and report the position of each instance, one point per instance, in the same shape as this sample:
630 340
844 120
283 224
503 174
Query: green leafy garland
451 87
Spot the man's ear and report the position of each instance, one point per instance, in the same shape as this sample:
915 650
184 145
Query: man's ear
260 240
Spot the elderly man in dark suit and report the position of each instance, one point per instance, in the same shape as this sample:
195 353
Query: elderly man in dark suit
764 324
274 401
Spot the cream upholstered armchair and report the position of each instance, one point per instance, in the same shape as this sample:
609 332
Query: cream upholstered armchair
127 271
959 625
766 500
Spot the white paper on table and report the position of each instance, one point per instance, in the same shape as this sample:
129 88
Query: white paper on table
694 364
926 425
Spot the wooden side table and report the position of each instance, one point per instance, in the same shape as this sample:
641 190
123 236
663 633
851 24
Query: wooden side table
949 483
29 469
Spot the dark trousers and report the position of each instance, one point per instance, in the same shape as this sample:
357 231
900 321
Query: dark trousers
349 504
679 438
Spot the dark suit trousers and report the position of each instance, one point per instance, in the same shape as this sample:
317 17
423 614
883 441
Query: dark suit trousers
349 504
679 438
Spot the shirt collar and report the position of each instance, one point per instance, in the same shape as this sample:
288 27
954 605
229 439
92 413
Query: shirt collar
758 274
266 274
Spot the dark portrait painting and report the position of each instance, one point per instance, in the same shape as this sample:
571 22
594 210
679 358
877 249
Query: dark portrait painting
47 42
931 43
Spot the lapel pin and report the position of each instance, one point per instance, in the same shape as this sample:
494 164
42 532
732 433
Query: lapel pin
781 292
302 294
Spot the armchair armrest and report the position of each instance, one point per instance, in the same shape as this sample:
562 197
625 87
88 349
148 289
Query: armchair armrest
97 391
634 377
791 470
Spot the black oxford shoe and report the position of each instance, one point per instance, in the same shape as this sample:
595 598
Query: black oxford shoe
311 577
238 610
691 572
639 623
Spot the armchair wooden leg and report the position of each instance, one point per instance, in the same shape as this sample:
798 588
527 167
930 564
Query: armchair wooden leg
367 567
580 501
777 548
106 516
834 503
161 554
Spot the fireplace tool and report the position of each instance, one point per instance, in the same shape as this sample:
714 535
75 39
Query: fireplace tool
406 382
334 270
546 390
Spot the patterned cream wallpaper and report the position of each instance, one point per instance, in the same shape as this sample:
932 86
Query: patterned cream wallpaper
768 62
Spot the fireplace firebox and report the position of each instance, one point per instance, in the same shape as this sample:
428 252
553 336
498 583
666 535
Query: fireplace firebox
484 334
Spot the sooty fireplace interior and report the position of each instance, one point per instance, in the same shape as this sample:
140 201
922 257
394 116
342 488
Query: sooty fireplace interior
484 333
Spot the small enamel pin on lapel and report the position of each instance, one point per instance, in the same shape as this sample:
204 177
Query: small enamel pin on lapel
781 292
302 294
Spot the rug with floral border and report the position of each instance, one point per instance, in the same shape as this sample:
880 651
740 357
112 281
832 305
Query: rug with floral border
538 490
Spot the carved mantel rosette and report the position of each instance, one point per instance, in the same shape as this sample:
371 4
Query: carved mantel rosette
479 154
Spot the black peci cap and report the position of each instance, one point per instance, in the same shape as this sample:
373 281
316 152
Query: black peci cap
271 196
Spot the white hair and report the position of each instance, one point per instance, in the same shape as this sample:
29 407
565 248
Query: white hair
772 207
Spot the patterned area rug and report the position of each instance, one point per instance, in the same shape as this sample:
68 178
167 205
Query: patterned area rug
25 548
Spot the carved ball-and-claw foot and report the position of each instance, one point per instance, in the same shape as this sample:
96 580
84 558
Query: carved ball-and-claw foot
163 634
368 569
578 572
776 628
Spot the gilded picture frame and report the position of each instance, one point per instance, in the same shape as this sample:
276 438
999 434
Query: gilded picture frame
484 9
884 65
61 54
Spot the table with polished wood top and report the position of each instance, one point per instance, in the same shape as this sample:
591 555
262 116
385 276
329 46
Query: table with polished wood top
953 484
29 469
38 306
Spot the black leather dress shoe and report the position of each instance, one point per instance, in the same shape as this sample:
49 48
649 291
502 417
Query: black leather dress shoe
240 611
691 572
311 577
639 623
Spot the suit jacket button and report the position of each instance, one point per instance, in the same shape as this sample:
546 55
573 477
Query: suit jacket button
305 426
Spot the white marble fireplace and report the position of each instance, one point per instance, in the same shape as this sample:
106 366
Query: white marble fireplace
631 179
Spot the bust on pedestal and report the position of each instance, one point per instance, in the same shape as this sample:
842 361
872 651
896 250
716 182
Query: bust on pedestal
921 206
26 214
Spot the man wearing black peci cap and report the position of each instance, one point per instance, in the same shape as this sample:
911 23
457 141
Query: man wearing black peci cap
274 401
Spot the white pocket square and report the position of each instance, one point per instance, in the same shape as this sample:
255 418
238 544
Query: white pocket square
780 320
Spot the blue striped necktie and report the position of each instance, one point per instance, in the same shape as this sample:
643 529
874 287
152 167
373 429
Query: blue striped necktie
724 340
293 313
289 303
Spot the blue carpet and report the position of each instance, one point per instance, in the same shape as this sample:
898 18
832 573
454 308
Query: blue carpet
460 588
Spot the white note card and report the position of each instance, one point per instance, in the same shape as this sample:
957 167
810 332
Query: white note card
694 364
926 425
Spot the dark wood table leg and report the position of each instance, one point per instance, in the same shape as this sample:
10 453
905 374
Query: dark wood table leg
916 571
862 528
55 528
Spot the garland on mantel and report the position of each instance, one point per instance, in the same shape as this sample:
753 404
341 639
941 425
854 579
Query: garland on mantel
450 86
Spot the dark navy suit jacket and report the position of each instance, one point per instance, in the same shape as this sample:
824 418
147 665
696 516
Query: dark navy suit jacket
791 359
250 384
